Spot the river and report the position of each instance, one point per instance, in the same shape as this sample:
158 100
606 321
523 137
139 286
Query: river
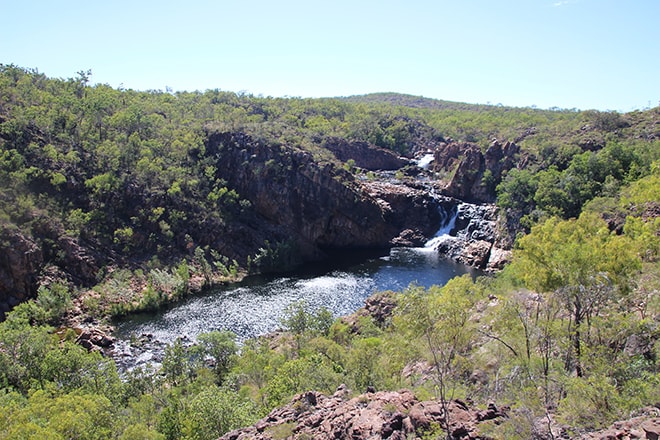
255 306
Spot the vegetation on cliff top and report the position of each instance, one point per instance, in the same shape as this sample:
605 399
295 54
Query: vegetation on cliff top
567 333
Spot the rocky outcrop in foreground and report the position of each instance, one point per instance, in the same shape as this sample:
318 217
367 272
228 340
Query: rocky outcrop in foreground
644 426
394 415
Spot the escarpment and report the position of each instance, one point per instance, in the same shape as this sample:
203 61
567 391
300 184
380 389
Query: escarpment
318 205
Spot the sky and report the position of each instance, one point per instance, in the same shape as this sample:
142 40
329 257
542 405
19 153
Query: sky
583 54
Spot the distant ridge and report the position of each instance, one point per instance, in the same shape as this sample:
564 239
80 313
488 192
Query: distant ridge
412 101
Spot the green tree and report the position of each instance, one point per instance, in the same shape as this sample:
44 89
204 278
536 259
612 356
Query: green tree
579 261
22 351
299 318
178 363
440 319
363 362
221 347
75 416
215 411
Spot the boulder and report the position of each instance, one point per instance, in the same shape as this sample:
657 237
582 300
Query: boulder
652 428
646 425
498 259
379 307
475 174
94 338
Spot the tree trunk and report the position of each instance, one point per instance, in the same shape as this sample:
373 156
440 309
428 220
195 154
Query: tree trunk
577 316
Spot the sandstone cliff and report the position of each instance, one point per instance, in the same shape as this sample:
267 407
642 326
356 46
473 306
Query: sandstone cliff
20 264
474 174
316 205
365 156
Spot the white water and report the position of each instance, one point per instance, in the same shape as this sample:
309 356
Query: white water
444 230
425 161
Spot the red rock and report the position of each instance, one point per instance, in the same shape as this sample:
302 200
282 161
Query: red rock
393 415
652 429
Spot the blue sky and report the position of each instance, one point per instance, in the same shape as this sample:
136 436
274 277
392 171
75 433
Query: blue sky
585 54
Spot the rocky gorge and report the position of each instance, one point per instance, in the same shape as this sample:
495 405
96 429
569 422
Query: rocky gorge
300 205
290 193
324 207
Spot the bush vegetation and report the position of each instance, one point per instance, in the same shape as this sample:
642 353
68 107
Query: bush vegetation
569 330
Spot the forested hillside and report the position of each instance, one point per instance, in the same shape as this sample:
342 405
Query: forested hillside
114 201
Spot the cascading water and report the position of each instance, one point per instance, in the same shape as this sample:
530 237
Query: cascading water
449 221
425 161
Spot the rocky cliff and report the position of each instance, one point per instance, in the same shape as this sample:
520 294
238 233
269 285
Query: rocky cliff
20 264
474 174
365 155
316 205
48 255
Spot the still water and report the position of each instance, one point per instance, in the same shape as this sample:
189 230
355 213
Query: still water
255 306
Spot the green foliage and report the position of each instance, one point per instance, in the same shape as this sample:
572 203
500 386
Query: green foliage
440 320
215 411
22 351
298 318
581 263
590 403
129 172
364 363
55 301
178 364
140 432
580 252
562 189
80 416
221 347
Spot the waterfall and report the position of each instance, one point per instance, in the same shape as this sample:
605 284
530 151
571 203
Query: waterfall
448 223
425 161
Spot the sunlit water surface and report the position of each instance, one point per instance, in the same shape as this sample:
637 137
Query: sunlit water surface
256 306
